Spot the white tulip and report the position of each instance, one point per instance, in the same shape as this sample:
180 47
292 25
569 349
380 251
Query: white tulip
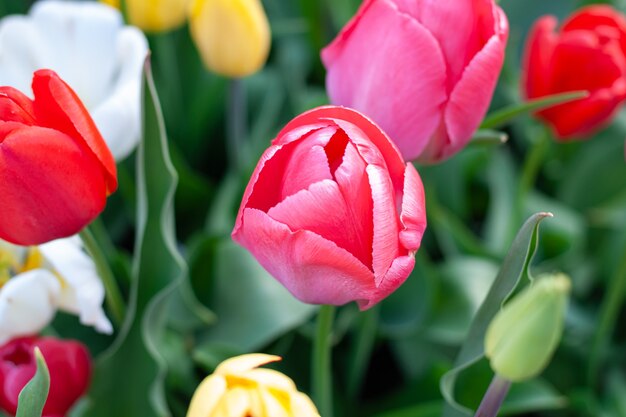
89 47
54 276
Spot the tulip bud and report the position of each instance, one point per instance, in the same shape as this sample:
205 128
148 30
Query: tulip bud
232 36
69 365
238 388
154 15
523 336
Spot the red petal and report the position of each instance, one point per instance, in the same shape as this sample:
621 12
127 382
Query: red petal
58 107
53 186
538 52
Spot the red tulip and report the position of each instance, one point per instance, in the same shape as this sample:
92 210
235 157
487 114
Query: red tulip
69 364
55 169
332 211
587 53
424 70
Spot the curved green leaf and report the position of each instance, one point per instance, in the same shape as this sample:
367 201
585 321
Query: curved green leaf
505 115
158 289
33 396
514 266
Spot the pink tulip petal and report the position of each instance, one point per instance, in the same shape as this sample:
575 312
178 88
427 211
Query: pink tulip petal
360 74
322 210
396 275
413 215
470 98
279 172
355 188
538 57
473 23
312 268
306 165
385 241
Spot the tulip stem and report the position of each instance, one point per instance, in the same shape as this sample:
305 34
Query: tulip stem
321 370
237 122
495 395
530 170
113 295
609 310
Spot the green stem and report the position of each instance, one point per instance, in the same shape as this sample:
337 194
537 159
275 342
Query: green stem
321 384
495 395
530 170
236 123
362 348
609 310
113 296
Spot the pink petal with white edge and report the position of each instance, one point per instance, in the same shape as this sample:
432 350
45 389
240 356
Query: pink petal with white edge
385 244
313 269
355 188
380 69
470 98
322 210
413 215
399 271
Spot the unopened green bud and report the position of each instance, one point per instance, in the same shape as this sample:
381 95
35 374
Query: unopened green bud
523 336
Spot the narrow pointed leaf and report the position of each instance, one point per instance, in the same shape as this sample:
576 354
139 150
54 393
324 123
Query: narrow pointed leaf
515 265
505 115
33 396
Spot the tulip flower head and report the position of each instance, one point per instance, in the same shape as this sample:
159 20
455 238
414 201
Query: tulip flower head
55 169
239 388
69 364
87 44
423 70
332 211
232 36
588 52
523 336
154 15
38 281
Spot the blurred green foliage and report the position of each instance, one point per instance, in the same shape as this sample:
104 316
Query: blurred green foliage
388 362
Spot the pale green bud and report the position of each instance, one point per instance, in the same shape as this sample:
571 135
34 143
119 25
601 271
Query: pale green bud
523 336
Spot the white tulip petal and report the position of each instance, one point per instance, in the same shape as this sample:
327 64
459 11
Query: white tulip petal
27 303
88 46
82 292
118 115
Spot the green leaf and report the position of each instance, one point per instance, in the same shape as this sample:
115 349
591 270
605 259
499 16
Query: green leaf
513 267
158 287
488 137
253 308
33 396
505 115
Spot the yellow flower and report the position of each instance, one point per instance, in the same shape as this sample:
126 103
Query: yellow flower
232 36
238 388
154 15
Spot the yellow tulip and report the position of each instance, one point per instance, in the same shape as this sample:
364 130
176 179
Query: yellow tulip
232 36
154 15
239 388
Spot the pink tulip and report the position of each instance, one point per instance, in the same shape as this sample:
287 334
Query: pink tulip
332 211
424 70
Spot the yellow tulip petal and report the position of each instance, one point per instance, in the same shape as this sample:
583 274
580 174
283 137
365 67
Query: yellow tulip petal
240 364
302 406
274 406
232 36
207 396
235 403
270 379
